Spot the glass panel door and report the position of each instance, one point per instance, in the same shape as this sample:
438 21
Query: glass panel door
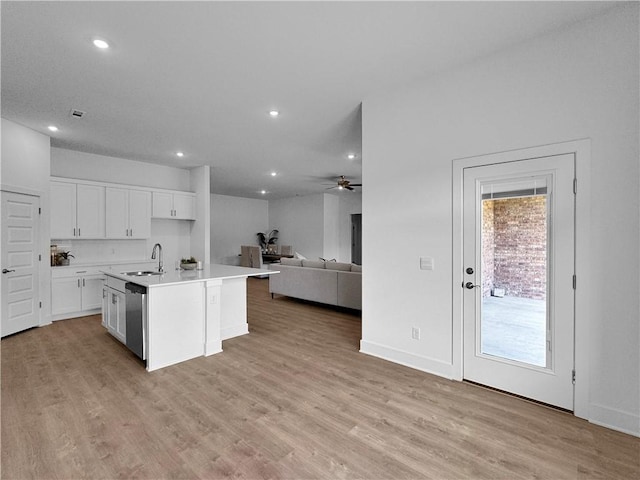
514 316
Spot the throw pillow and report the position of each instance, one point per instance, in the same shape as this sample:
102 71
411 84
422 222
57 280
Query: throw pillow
300 256
313 263
343 267
294 262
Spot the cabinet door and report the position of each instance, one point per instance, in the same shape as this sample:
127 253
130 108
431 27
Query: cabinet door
90 211
121 324
112 317
162 205
92 291
65 295
63 210
140 214
117 218
184 207
105 306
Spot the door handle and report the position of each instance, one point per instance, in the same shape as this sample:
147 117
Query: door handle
4 270
470 285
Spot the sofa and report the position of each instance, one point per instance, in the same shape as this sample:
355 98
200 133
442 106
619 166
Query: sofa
332 283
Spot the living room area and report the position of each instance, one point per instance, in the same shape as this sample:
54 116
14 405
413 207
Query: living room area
317 226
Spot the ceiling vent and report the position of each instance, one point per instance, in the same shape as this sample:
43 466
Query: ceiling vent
77 113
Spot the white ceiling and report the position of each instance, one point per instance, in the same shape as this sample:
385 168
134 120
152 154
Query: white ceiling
201 77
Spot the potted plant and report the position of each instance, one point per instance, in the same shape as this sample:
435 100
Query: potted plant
188 263
62 258
266 240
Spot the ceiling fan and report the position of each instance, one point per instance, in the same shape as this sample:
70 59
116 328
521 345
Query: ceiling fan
344 184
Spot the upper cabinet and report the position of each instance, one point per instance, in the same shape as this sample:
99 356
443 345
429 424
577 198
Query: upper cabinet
128 213
77 210
83 209
177 206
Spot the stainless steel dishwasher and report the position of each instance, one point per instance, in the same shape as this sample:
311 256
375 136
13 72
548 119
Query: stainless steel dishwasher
136 301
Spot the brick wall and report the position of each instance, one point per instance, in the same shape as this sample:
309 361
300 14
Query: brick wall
514 234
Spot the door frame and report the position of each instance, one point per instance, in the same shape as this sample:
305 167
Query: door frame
582 328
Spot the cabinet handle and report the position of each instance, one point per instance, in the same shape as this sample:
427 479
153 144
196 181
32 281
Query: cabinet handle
74 232
78 231
131 231
83 282
78 283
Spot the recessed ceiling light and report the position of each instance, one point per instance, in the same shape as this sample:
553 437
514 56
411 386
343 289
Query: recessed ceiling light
53 128
180 154
274 113
263 192
351 156
100 43
273 174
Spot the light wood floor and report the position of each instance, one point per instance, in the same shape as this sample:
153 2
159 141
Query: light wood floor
294 399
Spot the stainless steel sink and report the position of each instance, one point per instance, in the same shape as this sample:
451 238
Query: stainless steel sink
146 273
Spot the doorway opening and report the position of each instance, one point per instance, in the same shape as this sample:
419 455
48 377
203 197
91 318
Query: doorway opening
356 238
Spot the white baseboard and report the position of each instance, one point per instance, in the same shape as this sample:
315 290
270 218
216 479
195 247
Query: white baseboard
624 422
211 348
84 313
424 364
234 331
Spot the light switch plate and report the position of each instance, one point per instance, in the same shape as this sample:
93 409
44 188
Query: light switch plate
426 263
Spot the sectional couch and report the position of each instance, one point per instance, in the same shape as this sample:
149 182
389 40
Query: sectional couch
333 283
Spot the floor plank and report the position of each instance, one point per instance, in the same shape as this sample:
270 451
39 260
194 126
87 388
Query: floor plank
293 399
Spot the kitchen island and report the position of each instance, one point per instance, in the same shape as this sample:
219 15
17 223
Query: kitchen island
190 312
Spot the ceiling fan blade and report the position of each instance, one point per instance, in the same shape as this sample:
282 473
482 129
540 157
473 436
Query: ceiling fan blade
355 184
348 187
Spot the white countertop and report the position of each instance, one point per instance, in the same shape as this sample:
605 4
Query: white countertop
209 272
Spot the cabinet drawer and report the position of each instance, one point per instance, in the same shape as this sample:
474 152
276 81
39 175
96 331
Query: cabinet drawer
116 283
63 272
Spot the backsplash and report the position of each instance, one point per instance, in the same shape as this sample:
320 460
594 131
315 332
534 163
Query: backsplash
104 251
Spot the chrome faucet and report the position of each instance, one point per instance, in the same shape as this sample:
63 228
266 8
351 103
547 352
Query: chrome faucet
157 248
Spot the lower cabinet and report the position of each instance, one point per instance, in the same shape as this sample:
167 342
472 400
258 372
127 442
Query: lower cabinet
74 294
114 313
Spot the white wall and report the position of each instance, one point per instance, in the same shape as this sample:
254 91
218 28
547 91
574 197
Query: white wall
235 222
300 221
201 227
331 245
316 225
579 83
87 166
25 168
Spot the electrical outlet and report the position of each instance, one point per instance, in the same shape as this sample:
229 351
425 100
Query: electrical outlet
415 333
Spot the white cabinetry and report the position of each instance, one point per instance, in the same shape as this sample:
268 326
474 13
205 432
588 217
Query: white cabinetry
177 206
77 210
114 309
75 293
128 213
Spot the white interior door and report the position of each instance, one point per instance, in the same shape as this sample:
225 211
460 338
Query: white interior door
20 279
518 260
